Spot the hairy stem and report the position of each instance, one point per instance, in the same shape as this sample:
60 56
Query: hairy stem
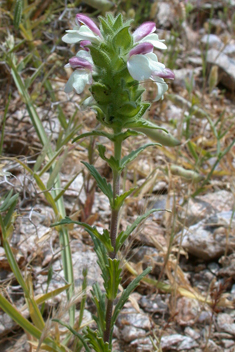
113 235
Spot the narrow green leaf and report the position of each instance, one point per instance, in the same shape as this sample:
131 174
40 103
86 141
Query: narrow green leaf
18 13
126 293
104 238
59 195
50 162
99 299
75 333
96 341
95 133
102 255
40 158
101 182
11 209
192 150
47 194
29 81
124 234
142 123
8 201
112 162
120 199
56 169
130 157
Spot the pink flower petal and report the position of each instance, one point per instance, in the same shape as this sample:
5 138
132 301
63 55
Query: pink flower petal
143 30
80 18
79 62
166 73
142 48
84 43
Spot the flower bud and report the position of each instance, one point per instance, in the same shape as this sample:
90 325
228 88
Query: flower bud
143 30
80 18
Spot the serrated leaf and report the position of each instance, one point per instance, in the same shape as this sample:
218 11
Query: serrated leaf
112 162
104 238
96 341
111 285
124 234
130 157
99 298
126 293
101 182
120 199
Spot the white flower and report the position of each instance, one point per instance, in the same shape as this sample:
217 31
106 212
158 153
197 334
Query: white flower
85 29
144 34
82 76
143 64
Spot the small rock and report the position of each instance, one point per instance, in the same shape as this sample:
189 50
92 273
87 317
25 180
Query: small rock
131 318
212 40
228 269
192 333
225 323
229 49
212 347
205 317
228 343
207 239
177 342
165 15
226 67
130 333
142 345
188 311
153 304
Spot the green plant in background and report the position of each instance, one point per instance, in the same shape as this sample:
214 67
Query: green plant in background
114 62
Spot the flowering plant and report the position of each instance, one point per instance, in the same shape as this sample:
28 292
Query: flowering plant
114 62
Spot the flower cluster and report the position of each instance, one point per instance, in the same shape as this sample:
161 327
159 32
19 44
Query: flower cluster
142 63
111 60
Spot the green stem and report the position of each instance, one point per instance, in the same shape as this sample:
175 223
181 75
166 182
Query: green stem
113 234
